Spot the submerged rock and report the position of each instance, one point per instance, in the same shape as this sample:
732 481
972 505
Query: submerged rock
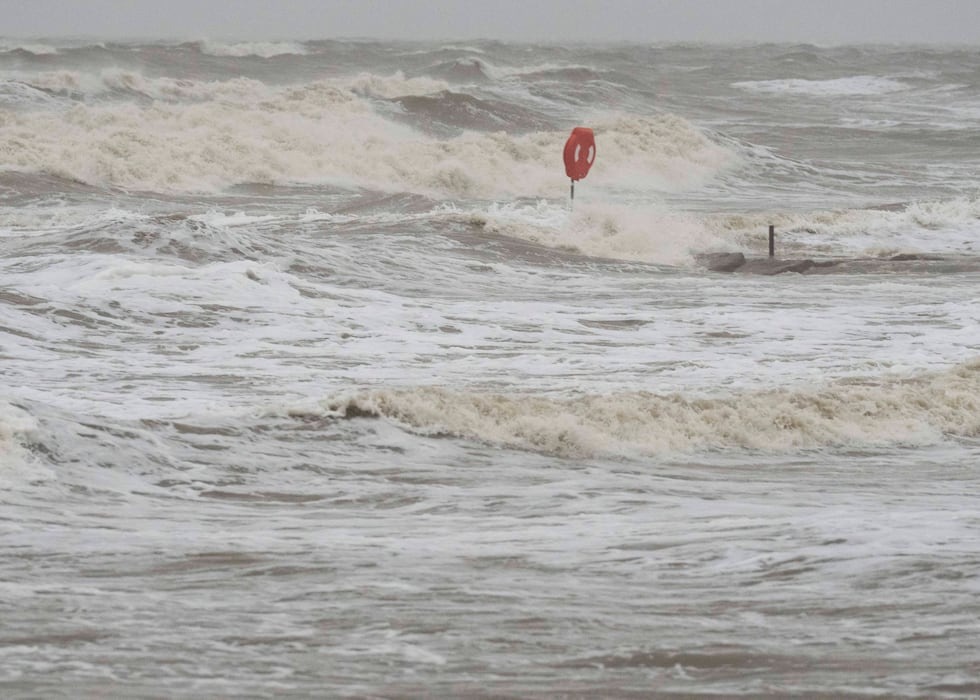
737 262
772 266
721 262
904 262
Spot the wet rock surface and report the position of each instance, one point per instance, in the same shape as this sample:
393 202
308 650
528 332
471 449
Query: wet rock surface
721 262
904 262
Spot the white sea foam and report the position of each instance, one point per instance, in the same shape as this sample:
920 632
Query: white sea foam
241 90
56 81
396 85
148 353
36 48
854 85
666 153
313 214
323 132
642 233
109 80
656 233
887 411
15 93
218 218
17 430
912 228
504 72
36 221
262 49
459 47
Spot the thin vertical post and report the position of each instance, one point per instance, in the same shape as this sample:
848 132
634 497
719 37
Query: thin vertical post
573 191
772 241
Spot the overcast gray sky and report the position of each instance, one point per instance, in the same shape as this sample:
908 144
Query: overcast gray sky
821 21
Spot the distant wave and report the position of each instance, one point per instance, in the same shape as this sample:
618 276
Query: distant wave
855 85
122 83
471 70
35 48
460 70
881 411
449 112
552 71
261 49
393 86
15 93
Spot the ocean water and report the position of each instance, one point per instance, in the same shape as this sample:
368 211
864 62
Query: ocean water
314 383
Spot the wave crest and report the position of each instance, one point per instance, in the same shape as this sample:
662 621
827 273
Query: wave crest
838 87
638 233
905 228
323 132
894 411
261 49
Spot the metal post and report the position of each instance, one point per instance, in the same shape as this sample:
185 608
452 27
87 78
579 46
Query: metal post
573 190
772 241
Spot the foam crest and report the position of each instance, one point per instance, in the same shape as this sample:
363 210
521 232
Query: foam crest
219 218
640 233
909 228
261 49
116 80
667 153
33 47
396 85
882 412
557 71
462 70
14 93
838 87
39 221
323 133
63 81
241 90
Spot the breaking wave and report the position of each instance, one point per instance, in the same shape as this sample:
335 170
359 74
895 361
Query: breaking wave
656 233
904 228
461 70
261 49
637 233
450 113
122 83
890 411
838 87
325 132
31 47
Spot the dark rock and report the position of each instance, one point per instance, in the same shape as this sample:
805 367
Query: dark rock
772 266
721 262
737 262
906 257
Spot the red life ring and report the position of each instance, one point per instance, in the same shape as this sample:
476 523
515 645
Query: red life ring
579 153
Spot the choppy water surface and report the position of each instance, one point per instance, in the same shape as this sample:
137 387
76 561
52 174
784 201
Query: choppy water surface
314 384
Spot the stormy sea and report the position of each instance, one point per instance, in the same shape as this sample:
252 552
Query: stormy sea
314 381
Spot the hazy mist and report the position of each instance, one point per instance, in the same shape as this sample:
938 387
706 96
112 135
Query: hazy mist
821 21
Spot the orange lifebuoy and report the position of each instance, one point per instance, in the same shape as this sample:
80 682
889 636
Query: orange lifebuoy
579 153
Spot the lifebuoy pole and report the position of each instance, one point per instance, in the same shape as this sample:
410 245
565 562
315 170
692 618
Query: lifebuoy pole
578 154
